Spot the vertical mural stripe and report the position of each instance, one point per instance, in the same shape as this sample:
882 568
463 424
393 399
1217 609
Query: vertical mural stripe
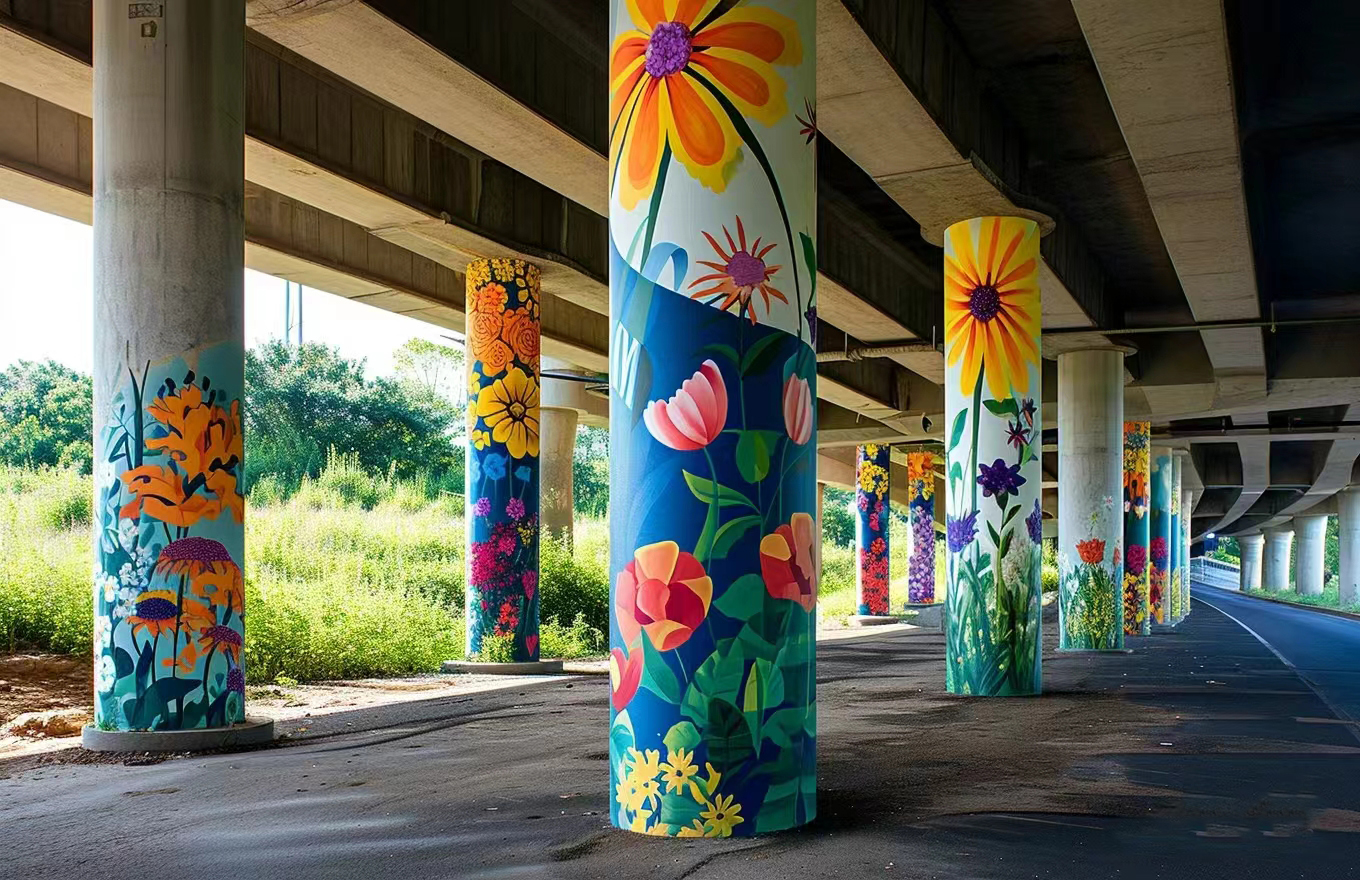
921 511
1137 518
714 546
992 393
502 460
1174 539
1159 541
873 482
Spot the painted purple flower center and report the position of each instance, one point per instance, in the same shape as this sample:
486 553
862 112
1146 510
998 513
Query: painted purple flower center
195 550
668 49
223 634
746 270
156 609
984 302
236 680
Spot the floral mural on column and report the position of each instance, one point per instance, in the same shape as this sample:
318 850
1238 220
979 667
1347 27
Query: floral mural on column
992 390
502 463
714 545
1090 589
1159 576
921 511
169 599
1137 517
1174 594
873 479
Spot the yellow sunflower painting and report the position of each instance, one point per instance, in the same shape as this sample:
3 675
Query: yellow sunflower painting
991 303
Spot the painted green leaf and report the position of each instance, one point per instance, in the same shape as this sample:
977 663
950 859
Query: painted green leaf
955 472
122 663
718 677
722 350
756 645
759 355
703 489
753 456
703 547
730 533
784 724
657 677
682 735
810 259
956 432
727 736
621 734
743 597
679 808
1007 407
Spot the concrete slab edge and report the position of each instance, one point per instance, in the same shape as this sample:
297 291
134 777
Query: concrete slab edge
535 667
251 732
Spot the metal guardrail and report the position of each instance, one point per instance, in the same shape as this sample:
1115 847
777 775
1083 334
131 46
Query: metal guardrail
1215 572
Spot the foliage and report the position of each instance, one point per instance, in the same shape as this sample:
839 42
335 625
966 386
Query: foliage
45 416
838 524
433 369
590 472
303 400
1329 598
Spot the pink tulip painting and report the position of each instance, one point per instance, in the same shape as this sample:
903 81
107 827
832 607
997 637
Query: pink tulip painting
798 409
694 416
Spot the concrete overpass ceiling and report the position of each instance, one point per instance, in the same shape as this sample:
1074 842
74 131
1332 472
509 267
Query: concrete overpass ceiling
1296 69
1033 56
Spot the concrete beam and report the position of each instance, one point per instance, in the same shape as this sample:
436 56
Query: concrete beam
1166 69
1334 475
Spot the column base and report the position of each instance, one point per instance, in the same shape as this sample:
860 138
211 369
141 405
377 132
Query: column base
874 619
1163 627
929 615
251 732
527 667
1095 650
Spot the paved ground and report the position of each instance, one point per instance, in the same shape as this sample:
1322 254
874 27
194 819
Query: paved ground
1200 755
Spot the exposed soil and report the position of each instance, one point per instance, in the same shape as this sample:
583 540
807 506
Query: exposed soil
40 682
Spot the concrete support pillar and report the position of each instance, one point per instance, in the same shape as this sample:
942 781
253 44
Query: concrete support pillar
1348 528
1159 541
821 501
1249 574
1175 592
557 450
168 371
503 460
1137 518
1275 571
992 432
1310 554
921 512
1187 510
1090 462
873 484
713 536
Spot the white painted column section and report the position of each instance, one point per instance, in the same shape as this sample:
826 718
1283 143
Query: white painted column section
1348 516
1252 547
1091 477
1275 572
1312 534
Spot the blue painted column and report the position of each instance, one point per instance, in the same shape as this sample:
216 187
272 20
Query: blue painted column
714 546
1159 538
873 480
502 597
1137 501
992 394
1175 592
921 510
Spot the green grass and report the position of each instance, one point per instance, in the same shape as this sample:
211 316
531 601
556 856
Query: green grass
1330 597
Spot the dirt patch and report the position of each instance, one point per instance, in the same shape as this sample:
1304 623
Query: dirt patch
44 682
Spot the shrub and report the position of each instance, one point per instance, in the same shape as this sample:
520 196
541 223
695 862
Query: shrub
496 648
575 585
1050 578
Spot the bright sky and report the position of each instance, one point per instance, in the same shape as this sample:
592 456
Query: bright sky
45 292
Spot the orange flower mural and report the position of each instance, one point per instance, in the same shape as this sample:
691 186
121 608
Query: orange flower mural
788 561
679 76
991 305
740 274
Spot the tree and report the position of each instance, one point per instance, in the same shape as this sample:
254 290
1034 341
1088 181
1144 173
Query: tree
303 400
45 416
438 369
590 471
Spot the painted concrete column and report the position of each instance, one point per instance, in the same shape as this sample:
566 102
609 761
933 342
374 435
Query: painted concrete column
713 538
1275 570
557 451
1249 573
1348 529
921 513
873 482
1176 570
168 367
1187 510
1090 532
1159 540
1310 554
992 395
503 460
1137 519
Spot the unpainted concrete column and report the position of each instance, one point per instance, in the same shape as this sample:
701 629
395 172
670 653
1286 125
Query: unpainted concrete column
1348 528
1252 547
1090 531
168 369
1309 556
1275 569
557 448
